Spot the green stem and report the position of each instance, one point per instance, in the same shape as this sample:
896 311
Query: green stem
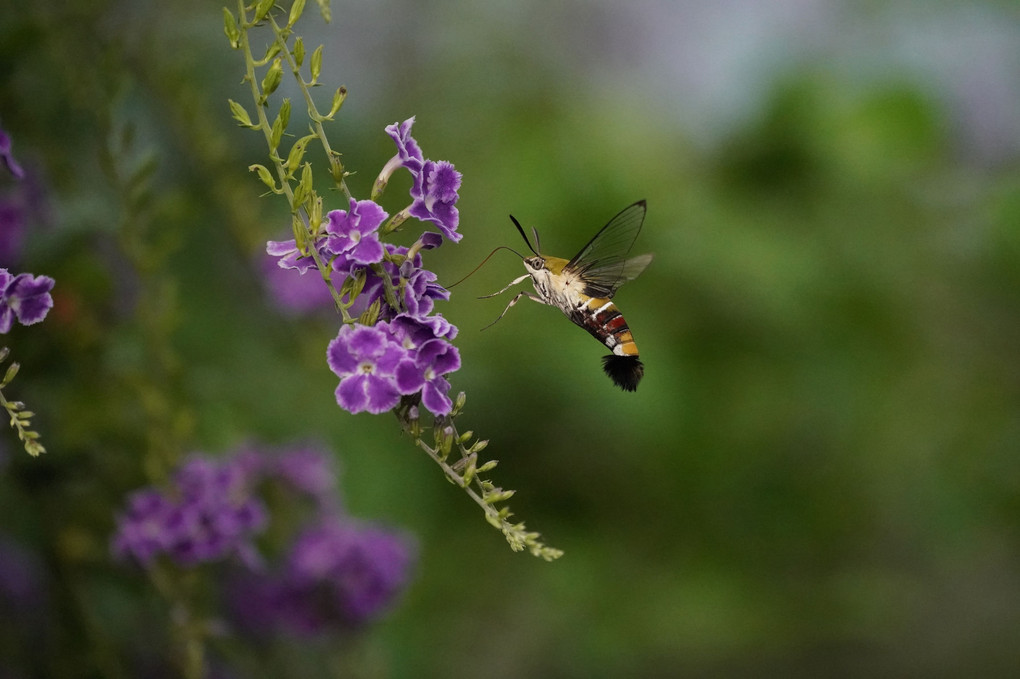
28 438
281 171
313 111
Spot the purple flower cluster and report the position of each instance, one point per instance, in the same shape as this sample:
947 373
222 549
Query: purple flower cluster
208 514
337 574
23 297
305 470
408 350
333 572
377 365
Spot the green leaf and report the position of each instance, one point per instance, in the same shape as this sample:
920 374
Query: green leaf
265 175
299 197
262 9
284 115
9 375
488 466
316 65
338 101
297 152
273 77
271 51
315 207
230 29
295 12
240 114
371 314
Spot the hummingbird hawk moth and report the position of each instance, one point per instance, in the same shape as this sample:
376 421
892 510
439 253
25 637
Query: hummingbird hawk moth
583 288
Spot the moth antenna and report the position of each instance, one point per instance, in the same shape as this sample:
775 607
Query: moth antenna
524 236
501 247
538 242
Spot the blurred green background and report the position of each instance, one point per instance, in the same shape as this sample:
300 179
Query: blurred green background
820 473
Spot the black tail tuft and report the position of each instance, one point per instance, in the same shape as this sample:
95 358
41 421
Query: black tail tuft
625 371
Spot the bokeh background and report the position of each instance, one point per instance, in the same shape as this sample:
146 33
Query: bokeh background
820 473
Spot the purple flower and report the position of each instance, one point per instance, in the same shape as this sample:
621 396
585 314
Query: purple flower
378 364
8 158
430 357
296 292
308 469
435 196
352 572
408 152
355 232
418 289
141 528
365 359
434 192
12 231
337 575
434 358
23 297
289 255
208 514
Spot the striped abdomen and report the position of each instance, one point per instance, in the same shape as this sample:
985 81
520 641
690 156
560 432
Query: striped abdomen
600 317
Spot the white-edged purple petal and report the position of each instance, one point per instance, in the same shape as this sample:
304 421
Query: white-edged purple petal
407 148
433 396
382 394
351 393
368 250
409 378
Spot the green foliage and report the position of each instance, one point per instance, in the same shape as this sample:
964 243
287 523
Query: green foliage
817 475
306 209
21 419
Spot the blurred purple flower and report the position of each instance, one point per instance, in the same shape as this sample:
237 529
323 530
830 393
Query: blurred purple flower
365 359
7 157
296 292
23 297
12 231
337 575
22 588
357 570
208 514
355 232
306 468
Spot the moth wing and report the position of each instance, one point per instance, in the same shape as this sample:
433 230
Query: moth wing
602 264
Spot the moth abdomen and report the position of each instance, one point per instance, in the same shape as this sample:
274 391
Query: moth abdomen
625 371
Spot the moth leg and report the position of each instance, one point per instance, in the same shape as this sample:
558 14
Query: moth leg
522 293
508 286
